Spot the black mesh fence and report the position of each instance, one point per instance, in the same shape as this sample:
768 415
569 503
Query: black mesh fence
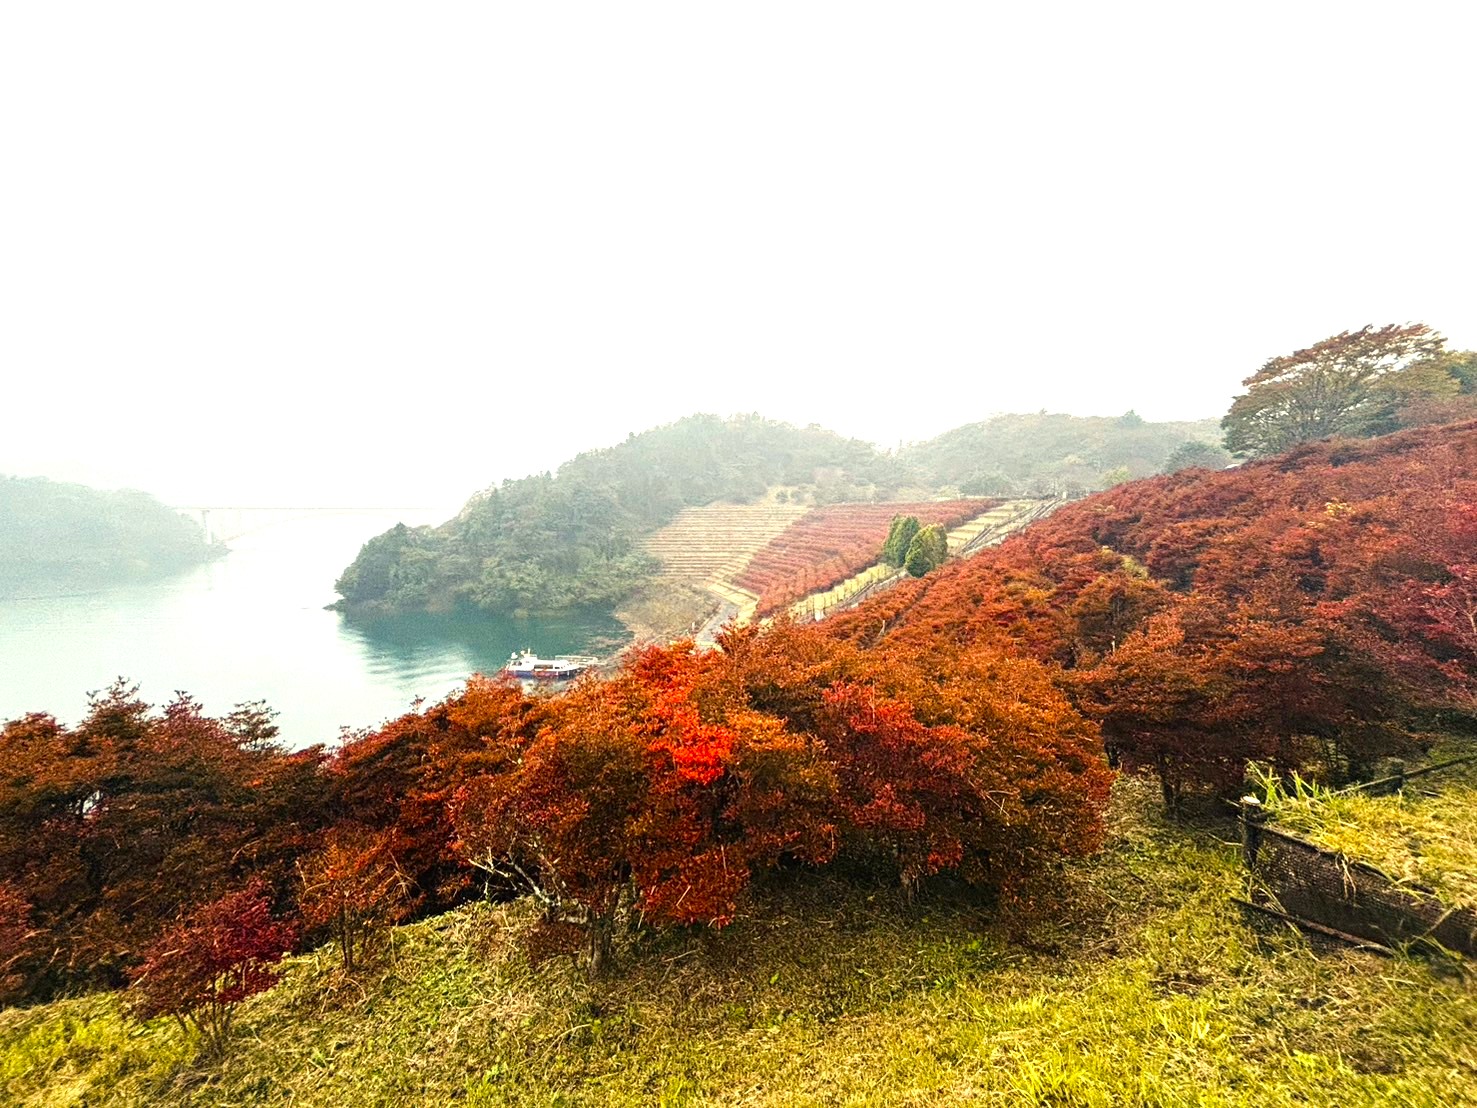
1310 883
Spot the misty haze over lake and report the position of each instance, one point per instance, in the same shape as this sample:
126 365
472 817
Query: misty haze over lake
253 626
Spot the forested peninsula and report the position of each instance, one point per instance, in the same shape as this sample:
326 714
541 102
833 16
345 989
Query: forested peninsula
574 539
55 534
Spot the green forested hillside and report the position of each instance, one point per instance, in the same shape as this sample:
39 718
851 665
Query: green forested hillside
573 539
1049 453
64 534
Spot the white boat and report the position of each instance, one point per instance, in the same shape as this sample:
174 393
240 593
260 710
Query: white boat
529 666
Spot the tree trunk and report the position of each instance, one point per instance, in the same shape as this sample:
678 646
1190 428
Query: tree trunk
600 934
1170 790
345 940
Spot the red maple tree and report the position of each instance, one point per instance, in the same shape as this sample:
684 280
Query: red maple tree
209 961
354 888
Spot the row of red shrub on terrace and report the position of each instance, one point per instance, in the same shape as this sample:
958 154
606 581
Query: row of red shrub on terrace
664 791
826 546
1313 610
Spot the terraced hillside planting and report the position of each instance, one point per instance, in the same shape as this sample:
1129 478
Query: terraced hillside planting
994 526
574 539
717 541
1004 519
833 543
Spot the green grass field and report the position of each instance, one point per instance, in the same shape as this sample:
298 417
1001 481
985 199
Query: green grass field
1147 988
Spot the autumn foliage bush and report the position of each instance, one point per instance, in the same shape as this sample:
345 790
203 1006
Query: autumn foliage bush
213 958
404 776
109 829
354 889
1310 610
18 948
664 792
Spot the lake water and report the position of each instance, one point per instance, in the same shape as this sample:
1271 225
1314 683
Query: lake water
252 626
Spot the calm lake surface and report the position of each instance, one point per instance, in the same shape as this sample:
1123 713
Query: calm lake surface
252 627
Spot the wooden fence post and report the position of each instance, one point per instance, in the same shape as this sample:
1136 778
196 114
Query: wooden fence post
1253 815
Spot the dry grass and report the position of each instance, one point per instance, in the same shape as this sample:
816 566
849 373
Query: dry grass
666 609
1144 989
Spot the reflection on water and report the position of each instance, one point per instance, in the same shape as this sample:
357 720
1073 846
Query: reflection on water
253 626
423 645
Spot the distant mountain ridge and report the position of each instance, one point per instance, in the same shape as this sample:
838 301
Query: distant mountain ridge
1054 454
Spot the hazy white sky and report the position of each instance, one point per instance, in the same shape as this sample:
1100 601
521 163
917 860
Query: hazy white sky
316 253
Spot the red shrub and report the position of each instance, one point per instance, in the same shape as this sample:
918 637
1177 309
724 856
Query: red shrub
830 544
354 887
1333 601
18 946
668 788
403 777
560 821
111 828
211 960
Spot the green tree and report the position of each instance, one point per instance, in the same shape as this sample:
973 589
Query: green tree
377 571
1193 454
1353 383
991 482
899 538
1462 365
54 533
927 551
